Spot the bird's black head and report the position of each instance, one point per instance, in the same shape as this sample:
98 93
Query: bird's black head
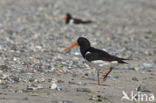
67 18
83 43
68 15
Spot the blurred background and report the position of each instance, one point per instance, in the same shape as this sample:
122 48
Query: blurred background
33 36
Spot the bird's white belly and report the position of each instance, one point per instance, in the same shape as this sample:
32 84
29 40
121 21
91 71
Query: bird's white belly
99 64
71 21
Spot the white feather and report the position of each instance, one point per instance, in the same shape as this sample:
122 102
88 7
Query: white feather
101 64
71 21
88 52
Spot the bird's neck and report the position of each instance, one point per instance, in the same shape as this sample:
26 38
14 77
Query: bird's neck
83 51
68 20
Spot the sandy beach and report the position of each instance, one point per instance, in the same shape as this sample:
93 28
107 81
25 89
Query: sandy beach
34 68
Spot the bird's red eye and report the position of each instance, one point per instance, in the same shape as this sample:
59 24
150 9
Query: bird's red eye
80 40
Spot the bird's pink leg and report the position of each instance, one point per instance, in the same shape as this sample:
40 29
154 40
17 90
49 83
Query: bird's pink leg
98 76
105 77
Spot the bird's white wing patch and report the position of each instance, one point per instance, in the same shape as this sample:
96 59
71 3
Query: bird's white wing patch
87 53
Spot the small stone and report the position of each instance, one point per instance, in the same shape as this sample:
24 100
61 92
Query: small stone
147 65
53 85
77 53
99 96
60 81
71 82
116 77
131 68
86 74
134 79
15 78
3 81
49 80
39 87
4 67
74 75
30 88
58 88
26 98
92 98
136 68
83 90
143 89
34 87
149 70
105 85
5 86
31 80
66 101
42 80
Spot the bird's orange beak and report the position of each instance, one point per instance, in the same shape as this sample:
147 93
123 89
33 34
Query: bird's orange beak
75 44
65 17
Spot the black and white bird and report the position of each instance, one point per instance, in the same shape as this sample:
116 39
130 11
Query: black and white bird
97 58
70 20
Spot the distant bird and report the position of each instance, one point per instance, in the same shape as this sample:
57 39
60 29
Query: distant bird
97 58
69 20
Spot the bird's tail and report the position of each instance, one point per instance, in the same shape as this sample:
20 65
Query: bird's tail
121 60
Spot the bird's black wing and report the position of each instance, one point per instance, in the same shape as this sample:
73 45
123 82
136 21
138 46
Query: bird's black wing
79 21
97 54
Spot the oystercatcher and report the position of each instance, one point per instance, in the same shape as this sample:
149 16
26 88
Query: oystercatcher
96 57
69 20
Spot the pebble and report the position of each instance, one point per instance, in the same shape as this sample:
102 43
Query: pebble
31 80
64 101
143 89
39 87
83 90
116 77
26 98
5 86
34 87
49 80
137 68
67 101
134 79
60 81
55 86
58 88
14 78
132 68
4 67
72 82
31 88
149 70
147 65
77 53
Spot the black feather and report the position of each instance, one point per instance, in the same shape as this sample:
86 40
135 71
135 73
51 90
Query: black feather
97 54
